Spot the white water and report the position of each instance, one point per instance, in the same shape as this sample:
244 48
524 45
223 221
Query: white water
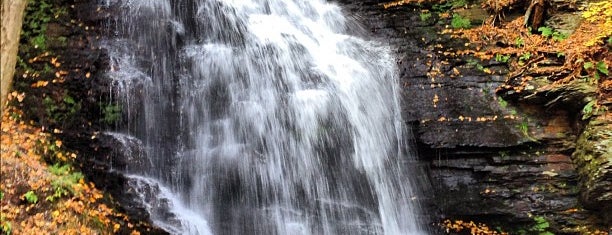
263 117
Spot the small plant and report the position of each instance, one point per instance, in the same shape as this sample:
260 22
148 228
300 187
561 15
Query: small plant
524 57
31 197
587 110
59 170
475 64
541 226
111 113
504 154
39 41
425 16
50 106
502 102
524 128
5 226
502 58
558 36
64 184
548 32
59 111
600 68
519 42
459 22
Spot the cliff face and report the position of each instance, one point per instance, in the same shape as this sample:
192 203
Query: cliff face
494 156
63 89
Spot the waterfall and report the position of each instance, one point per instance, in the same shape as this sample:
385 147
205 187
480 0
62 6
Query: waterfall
262 117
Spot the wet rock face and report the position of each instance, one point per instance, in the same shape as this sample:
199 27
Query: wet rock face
594 158
101 157
493 156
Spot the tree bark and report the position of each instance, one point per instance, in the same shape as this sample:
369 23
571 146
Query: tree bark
12 18
535 14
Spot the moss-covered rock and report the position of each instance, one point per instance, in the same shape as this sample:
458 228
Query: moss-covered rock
593 156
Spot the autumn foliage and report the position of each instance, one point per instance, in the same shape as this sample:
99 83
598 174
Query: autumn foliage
37 198
583 54
471 227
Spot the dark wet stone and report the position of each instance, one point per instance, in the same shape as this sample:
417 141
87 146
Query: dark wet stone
514 163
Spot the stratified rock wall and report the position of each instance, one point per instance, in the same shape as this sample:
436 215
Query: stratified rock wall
495 160
490 159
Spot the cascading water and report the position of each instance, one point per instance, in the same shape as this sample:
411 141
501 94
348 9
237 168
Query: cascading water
262 117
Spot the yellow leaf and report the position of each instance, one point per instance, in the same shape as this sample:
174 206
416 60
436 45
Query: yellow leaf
40 84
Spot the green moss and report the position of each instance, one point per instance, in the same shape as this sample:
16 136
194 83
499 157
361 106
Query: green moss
459 22
593 156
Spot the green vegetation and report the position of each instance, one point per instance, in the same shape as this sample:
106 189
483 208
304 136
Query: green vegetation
35 22
502 102
459 22
560 54
502 58
111 113
541 226
519 42
65 182
524 57
548 32
587 110
59 111
524 127
31 197
475 64
5 226
601 68
425 16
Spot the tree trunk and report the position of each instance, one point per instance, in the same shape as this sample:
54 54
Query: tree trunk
12 18
535 14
